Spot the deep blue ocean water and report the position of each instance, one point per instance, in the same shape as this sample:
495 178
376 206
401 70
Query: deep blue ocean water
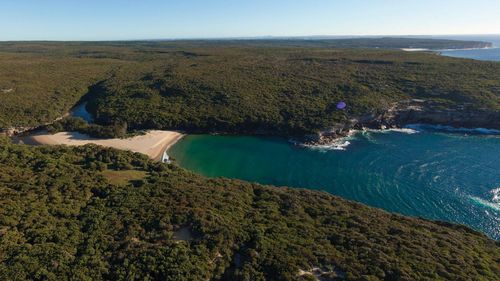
430 173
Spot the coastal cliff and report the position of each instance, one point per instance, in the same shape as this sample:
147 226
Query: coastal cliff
415 111
470 45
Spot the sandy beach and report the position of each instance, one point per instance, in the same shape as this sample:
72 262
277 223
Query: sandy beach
414 49
153 143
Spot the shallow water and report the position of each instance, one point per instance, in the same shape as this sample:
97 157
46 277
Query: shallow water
81 111
427 173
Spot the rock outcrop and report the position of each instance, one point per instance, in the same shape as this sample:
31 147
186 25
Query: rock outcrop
412 112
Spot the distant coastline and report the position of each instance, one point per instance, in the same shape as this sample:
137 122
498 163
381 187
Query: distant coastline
446 50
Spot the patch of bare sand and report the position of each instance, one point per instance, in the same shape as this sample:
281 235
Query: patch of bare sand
153 143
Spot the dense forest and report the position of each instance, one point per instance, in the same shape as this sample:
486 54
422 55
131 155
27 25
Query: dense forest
302 42
286 91
90 213
238 86
35 89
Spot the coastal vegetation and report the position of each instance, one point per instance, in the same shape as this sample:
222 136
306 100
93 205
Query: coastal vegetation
36 89
92 213
287 91
379 43
77 124
287 87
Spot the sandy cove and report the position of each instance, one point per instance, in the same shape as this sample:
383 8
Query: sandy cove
152 143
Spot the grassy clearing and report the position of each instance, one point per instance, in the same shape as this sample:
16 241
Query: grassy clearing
123 177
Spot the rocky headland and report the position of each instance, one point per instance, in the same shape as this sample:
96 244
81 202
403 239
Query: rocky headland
415 111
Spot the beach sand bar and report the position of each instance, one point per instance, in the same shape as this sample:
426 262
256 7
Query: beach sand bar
152 143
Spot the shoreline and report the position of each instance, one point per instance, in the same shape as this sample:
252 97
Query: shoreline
171 142
342 141
153 143
446 50
467 49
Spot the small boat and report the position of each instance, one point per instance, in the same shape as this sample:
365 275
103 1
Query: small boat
165 158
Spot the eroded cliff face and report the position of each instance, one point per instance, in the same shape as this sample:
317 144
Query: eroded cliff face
421 111
474 45
412 112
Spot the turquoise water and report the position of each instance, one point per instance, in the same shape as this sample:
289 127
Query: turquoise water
444 176
435 174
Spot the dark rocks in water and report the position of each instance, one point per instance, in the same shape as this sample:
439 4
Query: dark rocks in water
410 112
326 137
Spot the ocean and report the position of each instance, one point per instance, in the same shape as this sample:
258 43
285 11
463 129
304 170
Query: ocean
492 54
424 171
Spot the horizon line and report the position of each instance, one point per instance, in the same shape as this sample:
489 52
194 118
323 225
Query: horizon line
262 37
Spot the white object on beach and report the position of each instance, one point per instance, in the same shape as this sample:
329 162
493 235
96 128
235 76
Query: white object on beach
165 158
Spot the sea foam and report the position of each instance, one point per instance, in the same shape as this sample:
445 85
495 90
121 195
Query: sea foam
478 131
493 204
397 130
335 145
496 195
344 142
485 203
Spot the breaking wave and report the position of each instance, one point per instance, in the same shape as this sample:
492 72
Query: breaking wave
341 144
344 142
493 204
427 127
496 195
485 203
337 144
397 130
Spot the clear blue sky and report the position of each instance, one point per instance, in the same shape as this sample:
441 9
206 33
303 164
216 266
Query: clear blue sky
154 19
